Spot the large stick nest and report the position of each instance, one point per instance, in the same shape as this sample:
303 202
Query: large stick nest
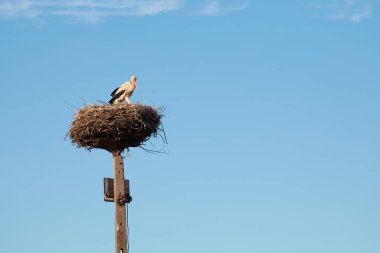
115 127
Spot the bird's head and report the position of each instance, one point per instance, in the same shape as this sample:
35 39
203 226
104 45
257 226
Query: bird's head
134 80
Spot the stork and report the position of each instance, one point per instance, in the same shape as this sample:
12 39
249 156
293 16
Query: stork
124 92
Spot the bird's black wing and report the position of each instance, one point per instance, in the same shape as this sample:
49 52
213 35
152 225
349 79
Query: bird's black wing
116 96
111 101
113 92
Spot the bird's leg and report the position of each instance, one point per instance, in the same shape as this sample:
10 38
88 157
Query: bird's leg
128 100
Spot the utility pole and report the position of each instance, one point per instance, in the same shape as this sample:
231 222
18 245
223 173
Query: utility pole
117 190
120 210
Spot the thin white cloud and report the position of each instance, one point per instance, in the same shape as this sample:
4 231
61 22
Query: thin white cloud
16 9
87 10
93 11
214 8
347 10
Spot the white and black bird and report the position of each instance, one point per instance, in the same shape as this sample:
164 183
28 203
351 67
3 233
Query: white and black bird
124 92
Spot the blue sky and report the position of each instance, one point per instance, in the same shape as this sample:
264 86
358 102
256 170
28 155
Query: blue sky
272 118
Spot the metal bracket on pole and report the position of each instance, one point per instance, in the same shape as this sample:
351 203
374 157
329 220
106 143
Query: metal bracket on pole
109 195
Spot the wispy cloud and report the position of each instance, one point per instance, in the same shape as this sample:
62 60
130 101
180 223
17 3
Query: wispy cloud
348 10
93 11
87 10
16 9
214 7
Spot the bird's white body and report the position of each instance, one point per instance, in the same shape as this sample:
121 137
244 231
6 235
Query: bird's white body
127 88
124 92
